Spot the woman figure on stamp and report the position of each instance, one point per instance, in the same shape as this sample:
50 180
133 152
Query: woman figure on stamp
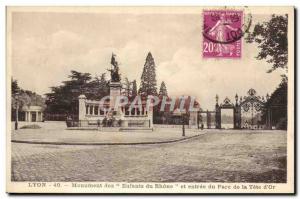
219 31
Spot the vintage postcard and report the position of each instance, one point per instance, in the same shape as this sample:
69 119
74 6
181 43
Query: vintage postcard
150 100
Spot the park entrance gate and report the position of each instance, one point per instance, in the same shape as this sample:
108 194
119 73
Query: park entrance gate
248 104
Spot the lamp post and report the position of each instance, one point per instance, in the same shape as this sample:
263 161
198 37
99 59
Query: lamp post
269 121
252 116
236 113
183 127
17 112
198 119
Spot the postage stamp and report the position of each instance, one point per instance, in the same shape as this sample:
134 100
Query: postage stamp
222 33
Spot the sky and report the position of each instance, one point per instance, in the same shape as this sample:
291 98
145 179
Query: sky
46 46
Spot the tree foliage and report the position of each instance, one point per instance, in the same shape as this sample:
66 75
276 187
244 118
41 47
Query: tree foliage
14 87
24 97
134 88
271 37
129 88
148 78
278 106
63 99
21 98
163 89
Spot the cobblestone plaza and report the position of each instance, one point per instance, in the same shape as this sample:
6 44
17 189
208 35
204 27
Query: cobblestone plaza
214 156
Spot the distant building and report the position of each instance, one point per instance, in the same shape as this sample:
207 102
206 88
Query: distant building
175 115
32 114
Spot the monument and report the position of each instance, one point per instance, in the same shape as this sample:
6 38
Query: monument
115 85
105 113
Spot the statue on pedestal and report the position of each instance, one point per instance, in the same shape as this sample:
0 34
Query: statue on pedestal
114 72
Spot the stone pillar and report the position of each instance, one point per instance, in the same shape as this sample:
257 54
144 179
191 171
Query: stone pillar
26 116
218 117
37 119
81 107
115 91
150 114
237 117
208 119
93 108
193 118
29 116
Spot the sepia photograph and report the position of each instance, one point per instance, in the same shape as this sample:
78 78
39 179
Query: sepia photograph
150 99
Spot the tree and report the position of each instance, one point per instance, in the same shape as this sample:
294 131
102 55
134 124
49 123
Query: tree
63 99
134 88
127 87
271 37
97 88
163 89
104 86
278 105
79 77
24 97
130 89
148 78
14 86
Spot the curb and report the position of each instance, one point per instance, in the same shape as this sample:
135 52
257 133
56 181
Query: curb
104 144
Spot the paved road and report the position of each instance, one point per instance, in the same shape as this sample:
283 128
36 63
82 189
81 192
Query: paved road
212 157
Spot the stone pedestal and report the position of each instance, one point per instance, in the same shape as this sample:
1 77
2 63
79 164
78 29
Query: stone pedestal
115 92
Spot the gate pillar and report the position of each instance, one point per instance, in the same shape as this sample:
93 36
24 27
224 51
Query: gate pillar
218 114
218 117
237 117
